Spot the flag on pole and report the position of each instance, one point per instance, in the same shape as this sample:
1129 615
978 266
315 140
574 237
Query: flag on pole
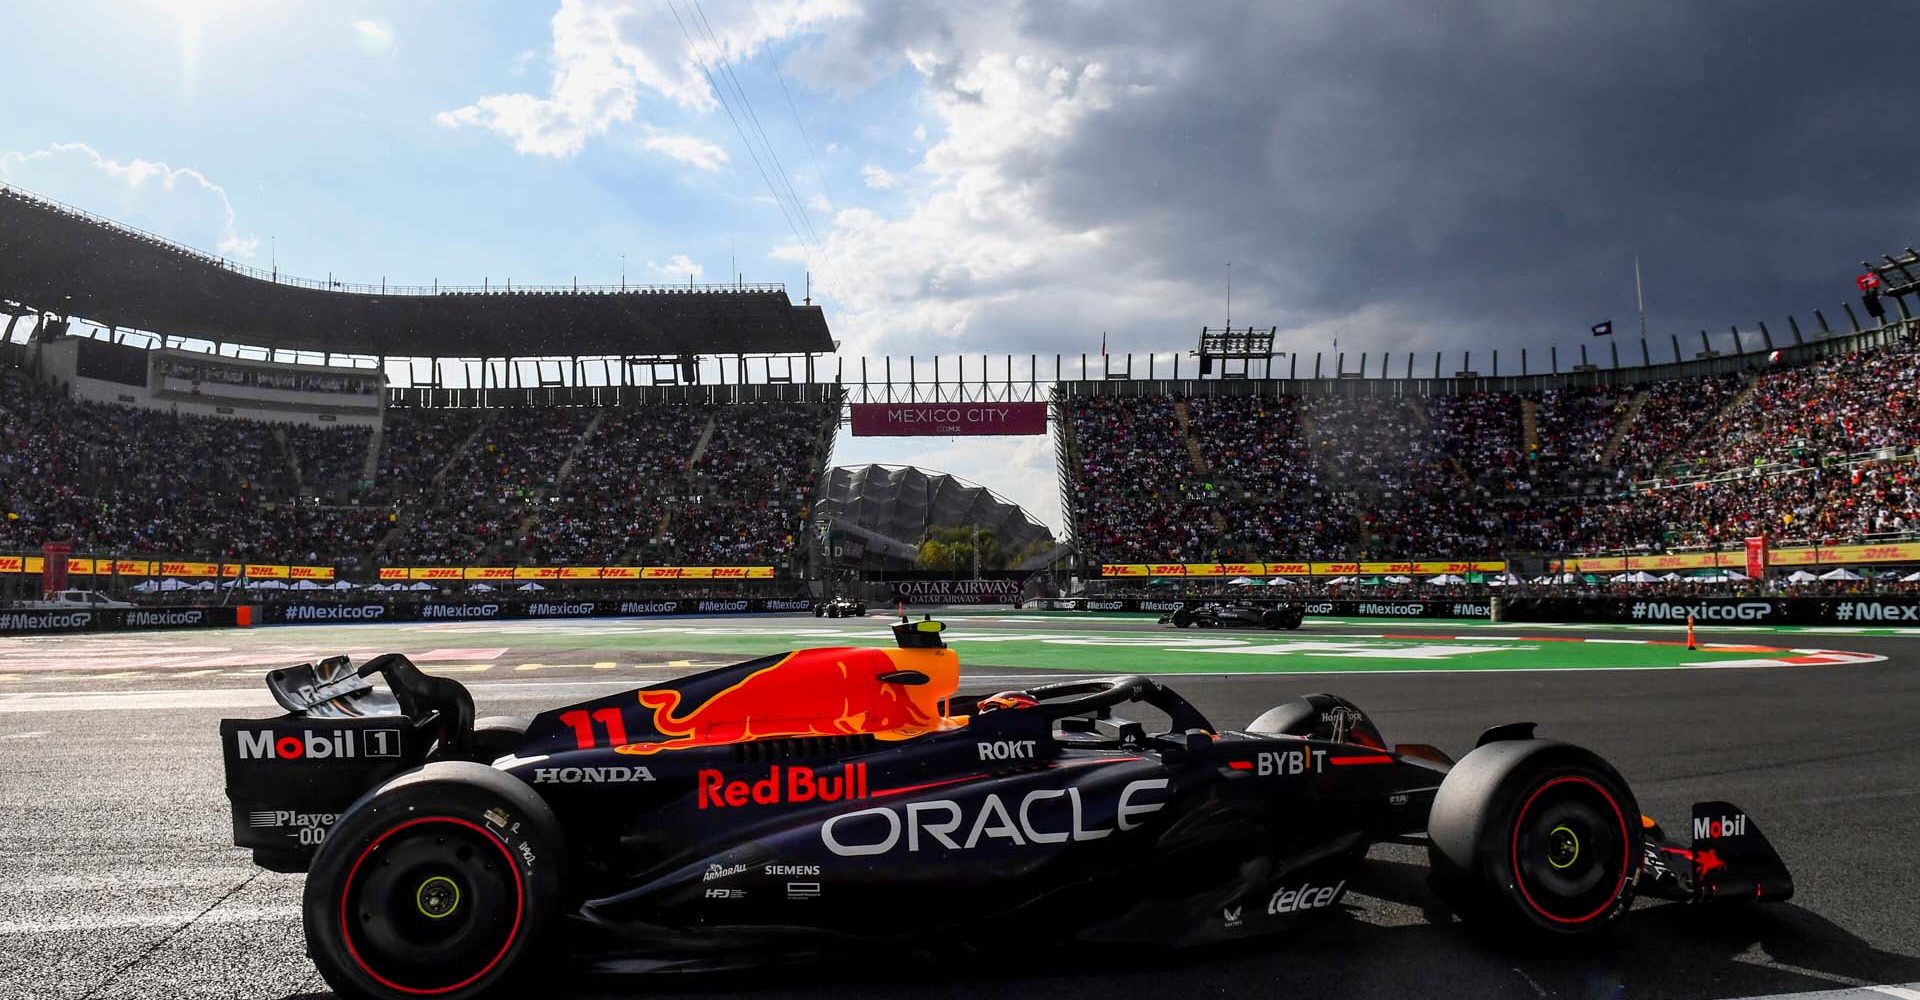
1603 329
1103 343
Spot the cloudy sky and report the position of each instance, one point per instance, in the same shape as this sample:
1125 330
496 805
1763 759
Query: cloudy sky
999 175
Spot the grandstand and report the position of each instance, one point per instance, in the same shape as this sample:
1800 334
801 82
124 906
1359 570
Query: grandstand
1816 452
174 455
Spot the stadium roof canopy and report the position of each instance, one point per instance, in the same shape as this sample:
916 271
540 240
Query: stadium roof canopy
69 263
901 502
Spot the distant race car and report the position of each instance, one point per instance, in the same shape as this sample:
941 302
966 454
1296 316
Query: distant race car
830 800
1230 614
840 607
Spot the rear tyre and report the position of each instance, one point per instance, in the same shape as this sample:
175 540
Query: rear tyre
443 882
1182 618
1273 619
496 736
1536 839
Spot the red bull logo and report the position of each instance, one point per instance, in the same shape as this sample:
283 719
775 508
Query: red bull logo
782 785
813 692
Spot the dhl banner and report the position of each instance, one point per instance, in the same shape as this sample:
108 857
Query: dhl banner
1333 568
1823 555
674 573
1123 569
256 571
84 566
1287 569
435 572
536 572
393 573
487 573
1225 569
579 572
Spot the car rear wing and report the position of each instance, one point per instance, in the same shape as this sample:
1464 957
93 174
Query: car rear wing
290 777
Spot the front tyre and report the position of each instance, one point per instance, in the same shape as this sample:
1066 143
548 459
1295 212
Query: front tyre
1182 618
1537 838
441 883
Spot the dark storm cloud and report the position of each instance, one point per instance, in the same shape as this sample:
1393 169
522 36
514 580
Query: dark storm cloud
1491 166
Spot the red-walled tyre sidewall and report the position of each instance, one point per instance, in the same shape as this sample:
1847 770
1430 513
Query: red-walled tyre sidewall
461 796
1472 832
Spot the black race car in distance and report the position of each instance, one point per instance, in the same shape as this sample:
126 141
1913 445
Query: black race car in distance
839 607
1234 614
832 800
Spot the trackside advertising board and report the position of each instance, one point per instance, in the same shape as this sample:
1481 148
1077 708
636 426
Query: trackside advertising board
947 419
519 609
1863 611
1466 608
366 612
25 622
1707 612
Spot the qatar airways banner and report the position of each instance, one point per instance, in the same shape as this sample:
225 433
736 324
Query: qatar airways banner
947 419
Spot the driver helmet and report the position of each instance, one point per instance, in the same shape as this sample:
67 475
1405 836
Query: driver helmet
1008 699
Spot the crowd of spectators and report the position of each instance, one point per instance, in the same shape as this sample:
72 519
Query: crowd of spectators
1674 415
631 486
1672 465
137 482
1847 405
1136 493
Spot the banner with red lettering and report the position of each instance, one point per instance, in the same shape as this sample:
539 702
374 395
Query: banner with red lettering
947 419
1757 557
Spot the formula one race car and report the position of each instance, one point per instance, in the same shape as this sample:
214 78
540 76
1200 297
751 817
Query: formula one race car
1227 614
826 800
840 607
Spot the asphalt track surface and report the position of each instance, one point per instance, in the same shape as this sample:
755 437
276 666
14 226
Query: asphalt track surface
117 877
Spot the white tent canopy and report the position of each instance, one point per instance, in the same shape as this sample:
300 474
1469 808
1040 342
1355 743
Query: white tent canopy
1242 581
1841 573
204 585
306 585
341 585
529 586
267 585
1446 579
170 584
1674 576
482 587
1913 577
147 587
1801 576
1279 581
422 585
1399 579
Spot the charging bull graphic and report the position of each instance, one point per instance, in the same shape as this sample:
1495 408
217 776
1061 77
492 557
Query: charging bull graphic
888 693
